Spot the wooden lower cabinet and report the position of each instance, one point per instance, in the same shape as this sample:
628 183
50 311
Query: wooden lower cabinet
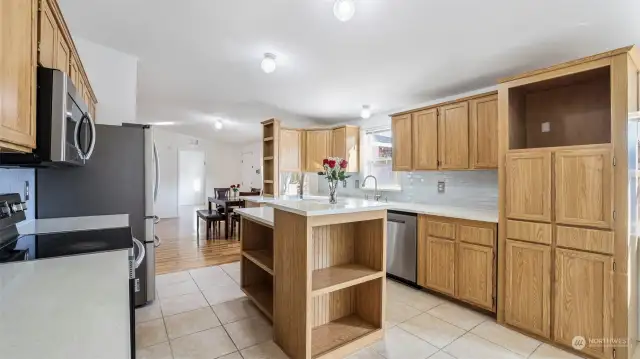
528 287
440 268
474 279
583 299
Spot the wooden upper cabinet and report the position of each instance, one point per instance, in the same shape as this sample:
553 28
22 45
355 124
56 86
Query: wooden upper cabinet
74 71
317 144
474 275
528 287
584 187
440 265
425 139
63 57
483 141
453 136
528 176
290 150
339 142
18 37
402 147
345 143
583 299
48 37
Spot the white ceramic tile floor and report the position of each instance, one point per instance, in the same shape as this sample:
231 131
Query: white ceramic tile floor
216 321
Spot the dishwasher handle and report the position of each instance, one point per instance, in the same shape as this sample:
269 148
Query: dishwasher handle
395 220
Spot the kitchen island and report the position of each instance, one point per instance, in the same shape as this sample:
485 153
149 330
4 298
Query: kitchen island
317 270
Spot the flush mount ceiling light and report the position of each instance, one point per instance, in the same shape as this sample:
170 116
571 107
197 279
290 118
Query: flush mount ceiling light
344 9
167 123
268 63
366 111
217 125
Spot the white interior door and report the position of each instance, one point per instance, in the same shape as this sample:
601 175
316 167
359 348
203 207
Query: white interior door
251 177
191 177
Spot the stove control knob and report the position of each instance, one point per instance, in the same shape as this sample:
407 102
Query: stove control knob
18 207
5 210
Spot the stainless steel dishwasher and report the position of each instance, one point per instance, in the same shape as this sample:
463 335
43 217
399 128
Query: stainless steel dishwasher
402 245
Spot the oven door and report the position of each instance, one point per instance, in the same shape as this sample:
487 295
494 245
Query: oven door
80 133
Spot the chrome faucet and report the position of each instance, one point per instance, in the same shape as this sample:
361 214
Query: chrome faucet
376 196
301 185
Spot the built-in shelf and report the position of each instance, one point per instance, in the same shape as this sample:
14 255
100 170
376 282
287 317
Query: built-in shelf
332 335
334 278
262 297
269 158
268 181
261 258
267 139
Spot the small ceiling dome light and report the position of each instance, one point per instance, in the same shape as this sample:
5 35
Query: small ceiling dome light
268 63
217 125
366 111
344 9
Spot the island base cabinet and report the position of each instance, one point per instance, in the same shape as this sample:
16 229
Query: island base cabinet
528 287
583 300
475 275
440 265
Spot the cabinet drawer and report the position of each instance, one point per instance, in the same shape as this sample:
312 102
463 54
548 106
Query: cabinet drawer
441 229
529 231
476 235
584 239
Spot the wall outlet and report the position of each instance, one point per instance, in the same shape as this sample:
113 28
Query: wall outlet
357 183
441 187
546 127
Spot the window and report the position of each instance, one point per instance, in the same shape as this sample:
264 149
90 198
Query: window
376 155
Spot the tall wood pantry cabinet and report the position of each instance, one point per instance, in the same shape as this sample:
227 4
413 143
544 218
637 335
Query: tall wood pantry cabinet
566 205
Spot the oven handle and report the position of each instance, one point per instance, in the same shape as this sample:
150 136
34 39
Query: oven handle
141 252
93 136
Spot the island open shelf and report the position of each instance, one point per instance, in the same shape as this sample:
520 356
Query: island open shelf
330 289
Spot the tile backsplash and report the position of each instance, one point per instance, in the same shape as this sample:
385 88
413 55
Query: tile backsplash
475 189
13 180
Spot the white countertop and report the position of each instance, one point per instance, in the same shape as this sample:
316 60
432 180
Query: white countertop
474 214
73 307
321 207
262 215
72 224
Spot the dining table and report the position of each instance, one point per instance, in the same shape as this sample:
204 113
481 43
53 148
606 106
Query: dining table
226 202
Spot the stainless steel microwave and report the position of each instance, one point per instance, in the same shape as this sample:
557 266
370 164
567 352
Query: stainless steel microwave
65 132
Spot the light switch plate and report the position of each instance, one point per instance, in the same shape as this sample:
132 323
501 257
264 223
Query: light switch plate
441 187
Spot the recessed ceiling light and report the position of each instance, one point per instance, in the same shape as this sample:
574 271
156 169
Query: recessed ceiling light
166 123
344 9
366 111
217 125
268 63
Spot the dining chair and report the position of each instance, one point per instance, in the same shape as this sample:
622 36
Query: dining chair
220 193
211 218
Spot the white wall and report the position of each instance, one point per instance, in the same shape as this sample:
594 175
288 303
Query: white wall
223 167
253 153
113 76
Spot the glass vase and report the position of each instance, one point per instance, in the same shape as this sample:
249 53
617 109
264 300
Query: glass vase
333 195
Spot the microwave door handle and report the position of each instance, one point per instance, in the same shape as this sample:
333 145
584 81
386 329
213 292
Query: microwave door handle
76 139
92 144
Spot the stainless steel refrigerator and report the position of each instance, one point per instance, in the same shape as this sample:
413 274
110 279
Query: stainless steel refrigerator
121 177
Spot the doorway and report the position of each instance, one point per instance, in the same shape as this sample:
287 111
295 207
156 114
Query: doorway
191 178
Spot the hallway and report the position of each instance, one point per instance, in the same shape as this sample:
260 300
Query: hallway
179 250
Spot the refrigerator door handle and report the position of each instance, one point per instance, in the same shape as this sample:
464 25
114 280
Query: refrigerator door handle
157 172
141 252
156 241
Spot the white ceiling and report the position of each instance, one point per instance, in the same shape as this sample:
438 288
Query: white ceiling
200 59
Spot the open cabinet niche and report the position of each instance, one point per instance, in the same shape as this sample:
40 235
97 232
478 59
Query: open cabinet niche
564 111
